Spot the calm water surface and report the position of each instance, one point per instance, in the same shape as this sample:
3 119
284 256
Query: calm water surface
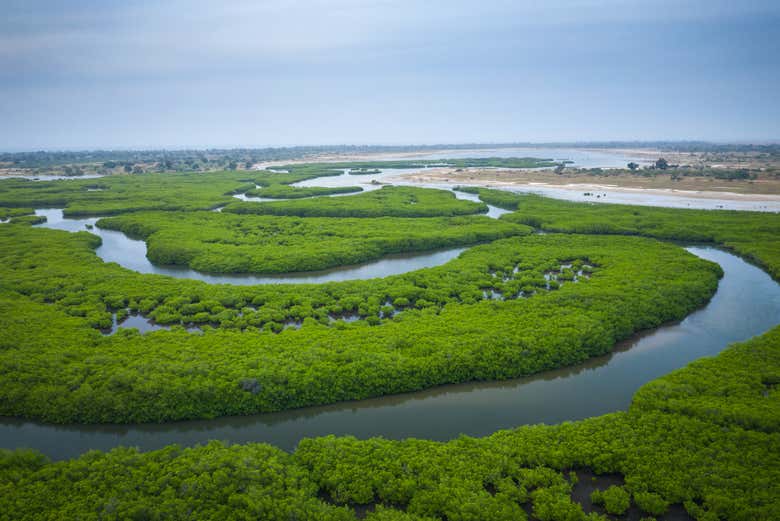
389 176
667 198
131 254
580 158
746 304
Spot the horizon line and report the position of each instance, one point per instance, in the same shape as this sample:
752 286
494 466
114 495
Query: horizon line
488 145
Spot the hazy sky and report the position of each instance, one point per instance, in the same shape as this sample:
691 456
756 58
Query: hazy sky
122 73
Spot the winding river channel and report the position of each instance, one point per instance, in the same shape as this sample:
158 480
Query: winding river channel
131 253
746 304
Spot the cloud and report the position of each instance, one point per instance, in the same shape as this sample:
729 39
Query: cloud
307 71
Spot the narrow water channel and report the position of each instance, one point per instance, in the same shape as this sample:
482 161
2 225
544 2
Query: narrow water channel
375 181
746 304
131 254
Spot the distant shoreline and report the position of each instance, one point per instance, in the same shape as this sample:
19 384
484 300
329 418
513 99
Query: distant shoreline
607 193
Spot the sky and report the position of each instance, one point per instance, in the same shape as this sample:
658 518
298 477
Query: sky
84 74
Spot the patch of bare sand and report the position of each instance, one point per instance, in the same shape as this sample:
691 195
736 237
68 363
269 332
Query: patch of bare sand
501 179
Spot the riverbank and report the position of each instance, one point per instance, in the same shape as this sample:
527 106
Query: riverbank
702 187
573 156
687 193
686 449
598 386
659 456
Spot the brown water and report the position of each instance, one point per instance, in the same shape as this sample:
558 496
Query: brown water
746 304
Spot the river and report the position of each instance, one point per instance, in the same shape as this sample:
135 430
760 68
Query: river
590 193
746 304
131 254
578 157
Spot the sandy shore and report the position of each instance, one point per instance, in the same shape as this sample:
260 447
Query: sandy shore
588 187
642 155
338 158
401 156
606 192
707 188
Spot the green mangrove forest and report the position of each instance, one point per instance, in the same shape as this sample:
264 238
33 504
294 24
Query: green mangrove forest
111 195
391 201
700 443
684 447
220 242
280 191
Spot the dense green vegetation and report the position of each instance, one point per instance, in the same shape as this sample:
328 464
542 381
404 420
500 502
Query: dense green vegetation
395 201
753 235
221 242
127 193
214 482
654 458
500 198
279 191
28 219
675 172
705 437
364 171
67 272
55 366
107 162
275 183
82 162
739 387
76 163
373 167
8 213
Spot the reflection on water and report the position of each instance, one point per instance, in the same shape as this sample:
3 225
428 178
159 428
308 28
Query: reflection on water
142 324
747 303
130 253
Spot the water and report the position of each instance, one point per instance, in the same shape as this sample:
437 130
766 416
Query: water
45 177
653 197
143 325
583 159
254 198
386 177
258 199
607 194
493 211
580 158
131 254
367 182
746 304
